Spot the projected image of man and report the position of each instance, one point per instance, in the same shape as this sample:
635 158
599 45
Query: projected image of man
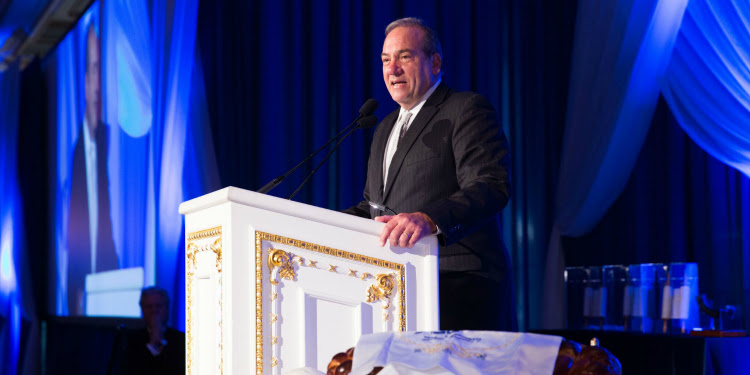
90 244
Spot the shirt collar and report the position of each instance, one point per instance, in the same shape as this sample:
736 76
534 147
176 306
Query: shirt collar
419 105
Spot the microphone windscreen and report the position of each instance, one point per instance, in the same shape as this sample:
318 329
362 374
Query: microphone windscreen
369 107
367 122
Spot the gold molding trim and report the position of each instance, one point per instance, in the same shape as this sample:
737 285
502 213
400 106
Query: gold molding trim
399 282
190 255
282 259
258 305
382 290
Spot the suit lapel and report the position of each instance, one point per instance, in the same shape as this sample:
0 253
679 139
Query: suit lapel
380 142
428 111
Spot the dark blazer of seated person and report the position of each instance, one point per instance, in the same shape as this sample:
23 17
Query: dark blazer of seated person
139 358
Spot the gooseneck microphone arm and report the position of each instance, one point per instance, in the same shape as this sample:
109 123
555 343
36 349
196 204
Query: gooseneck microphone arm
364 123
276 181
366 109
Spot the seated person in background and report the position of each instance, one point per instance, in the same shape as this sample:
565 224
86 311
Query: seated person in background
156 349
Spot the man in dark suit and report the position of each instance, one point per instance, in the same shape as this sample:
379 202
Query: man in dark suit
90 245
441 161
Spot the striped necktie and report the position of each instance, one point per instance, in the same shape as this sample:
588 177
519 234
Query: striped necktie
401 127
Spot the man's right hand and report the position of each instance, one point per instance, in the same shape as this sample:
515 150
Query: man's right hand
404 230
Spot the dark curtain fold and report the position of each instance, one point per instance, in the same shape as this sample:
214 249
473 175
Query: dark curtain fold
22 217
538 40
12 249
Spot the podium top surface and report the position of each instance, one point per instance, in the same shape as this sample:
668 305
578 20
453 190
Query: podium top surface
282 206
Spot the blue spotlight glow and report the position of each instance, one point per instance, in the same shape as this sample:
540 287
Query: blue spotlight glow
7 269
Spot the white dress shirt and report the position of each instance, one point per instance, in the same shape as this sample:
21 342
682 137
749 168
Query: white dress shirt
89 147
390 147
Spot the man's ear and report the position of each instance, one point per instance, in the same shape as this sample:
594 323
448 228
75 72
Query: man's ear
437 64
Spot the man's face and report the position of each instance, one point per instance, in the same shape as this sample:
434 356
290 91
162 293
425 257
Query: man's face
407 71
92 81
154 308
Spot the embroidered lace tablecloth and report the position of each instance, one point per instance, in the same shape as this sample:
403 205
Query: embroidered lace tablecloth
459 352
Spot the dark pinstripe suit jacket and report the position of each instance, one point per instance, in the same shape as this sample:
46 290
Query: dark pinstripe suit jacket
452 165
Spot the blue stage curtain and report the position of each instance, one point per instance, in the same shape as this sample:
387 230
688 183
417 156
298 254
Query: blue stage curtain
67 67
708 90
708 85
15 290
155 93
680 205
126 84
178 124
160 147
684 201
620 55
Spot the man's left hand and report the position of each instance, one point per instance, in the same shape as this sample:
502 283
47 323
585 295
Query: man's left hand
155 331
404 230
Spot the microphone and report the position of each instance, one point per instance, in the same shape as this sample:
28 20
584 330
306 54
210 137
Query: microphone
364 123
368 108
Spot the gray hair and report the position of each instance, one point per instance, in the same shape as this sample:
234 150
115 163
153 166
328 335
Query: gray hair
154 290
430 44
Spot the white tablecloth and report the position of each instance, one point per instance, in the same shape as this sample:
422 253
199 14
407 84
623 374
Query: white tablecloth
460 352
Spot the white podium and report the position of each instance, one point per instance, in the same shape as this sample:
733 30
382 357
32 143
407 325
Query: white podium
275 285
